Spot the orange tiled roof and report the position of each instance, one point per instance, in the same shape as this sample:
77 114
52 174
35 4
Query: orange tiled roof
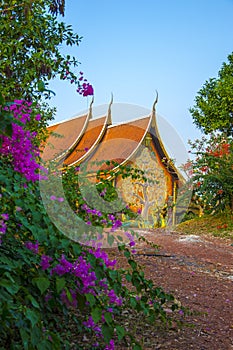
90 138
69 133
119 143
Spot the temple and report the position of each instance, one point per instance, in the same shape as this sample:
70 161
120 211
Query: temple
94 141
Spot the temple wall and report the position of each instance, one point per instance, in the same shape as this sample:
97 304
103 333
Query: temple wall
147 197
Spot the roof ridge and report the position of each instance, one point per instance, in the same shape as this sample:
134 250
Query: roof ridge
129 121
100 136
79 116
150 117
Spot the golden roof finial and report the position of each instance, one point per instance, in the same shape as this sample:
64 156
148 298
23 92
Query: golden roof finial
90 108
155 102
109 110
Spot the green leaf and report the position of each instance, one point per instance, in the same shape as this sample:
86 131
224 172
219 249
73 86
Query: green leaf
60 283
25 337
56 344
42 283
108 318
1 99
11 287
110 240
91 299
96 314
36 336
119 237
133 302
41 86
81 301
32 316
33 301
45 345
113 274
137 347
68 294
107 332
127 254
8 130
8 264
120 332
133 264
128 277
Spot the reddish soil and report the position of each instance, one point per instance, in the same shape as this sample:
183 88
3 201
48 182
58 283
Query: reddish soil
198 271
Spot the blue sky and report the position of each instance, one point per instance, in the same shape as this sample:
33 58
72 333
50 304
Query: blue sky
132 48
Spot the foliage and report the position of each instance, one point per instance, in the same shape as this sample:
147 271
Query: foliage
219 224
20 142
47 281
30 46
213 108
212 171
57 6
74 179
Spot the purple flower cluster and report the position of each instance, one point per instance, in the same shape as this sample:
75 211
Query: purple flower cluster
92 215
34 247
63 267
91 211
115 223
131 240
45 261
91 324
86 283
103 192
100 254
113 298
83 271
85 89
20 145
110 346
59 199
86 279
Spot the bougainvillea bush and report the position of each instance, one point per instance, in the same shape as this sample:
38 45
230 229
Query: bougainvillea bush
49 282
212 171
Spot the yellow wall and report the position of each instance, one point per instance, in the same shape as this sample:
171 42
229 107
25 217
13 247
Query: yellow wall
150 198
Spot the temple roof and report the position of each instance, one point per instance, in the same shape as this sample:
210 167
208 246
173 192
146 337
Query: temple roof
89 140
96 141
63 137
119 143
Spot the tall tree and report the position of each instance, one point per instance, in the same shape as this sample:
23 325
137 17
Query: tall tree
30 44
213 108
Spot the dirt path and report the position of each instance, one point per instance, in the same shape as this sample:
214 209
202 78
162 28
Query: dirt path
198 270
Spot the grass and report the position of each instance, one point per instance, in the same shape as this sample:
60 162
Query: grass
218 225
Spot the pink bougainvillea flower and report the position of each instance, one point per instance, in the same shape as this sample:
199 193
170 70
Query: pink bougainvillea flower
38 117
45 261
110 346
20 145
18 208
5 216
34 247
